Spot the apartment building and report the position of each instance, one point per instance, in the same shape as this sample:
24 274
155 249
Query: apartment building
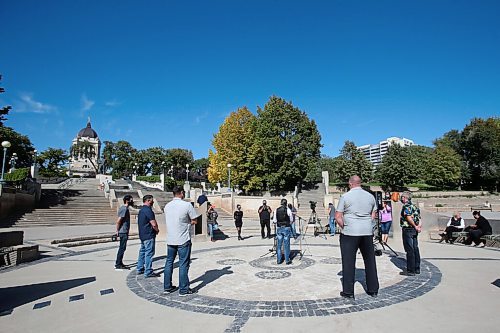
375 153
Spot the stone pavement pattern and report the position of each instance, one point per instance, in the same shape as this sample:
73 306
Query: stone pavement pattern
241 289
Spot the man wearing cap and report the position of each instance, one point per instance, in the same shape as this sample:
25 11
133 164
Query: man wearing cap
355 213
282 218
411 226
122 228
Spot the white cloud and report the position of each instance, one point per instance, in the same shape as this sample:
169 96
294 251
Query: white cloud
113 103
86 104
28 104
200 118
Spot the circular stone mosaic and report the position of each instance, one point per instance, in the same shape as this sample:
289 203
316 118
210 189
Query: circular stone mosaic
273 275
269 262
331 261
404 290
231 262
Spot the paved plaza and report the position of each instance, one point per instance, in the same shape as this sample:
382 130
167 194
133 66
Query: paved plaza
242 289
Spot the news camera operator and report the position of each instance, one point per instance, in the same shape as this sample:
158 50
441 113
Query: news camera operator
355 214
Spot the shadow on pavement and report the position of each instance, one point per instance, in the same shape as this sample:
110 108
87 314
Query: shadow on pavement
211 275
12 297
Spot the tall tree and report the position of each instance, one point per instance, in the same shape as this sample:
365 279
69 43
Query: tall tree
443 168
418 163
233 145
351 162
287 147
20 144
395 169
51 161
5 109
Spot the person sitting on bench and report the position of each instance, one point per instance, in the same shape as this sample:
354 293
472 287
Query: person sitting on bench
478 230
455 224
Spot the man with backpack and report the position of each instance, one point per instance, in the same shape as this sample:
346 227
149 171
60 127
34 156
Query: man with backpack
411 227
283 217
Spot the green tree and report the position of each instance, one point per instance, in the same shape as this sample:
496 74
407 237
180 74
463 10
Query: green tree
351 162
395 170
5 109
287 146
418 159
51 161
121 155
443 168
481 152
20 144
233 145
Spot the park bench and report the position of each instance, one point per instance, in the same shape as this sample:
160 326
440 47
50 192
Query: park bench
460 236
480 208
491 240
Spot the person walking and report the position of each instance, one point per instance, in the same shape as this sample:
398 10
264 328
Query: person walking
355 213
331 219
265 219
411 226
238 220
282 218
212 220
122 229
180 215
148 229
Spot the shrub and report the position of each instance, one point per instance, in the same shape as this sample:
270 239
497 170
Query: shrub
18 175
151 179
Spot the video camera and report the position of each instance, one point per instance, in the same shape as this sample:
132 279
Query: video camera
313 205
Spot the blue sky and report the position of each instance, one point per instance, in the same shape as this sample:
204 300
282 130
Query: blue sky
167 73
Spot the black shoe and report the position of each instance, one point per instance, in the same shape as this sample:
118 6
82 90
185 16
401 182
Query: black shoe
140 272
152 275
189 292
279 262
405 273
343 294
372 293
417 271
289 262
170 290
121 268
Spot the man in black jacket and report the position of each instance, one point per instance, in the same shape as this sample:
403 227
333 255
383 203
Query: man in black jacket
478 230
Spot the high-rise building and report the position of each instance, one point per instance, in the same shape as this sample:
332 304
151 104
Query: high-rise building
375 153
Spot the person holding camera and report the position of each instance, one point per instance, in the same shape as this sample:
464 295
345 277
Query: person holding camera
265 219
283 218
355 213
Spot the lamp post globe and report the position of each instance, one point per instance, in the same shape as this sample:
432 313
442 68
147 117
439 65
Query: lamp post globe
187 172
229 165
5 145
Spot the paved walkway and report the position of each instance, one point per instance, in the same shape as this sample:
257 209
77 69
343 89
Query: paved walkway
242 289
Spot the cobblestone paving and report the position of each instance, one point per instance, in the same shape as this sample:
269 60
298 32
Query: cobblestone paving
238 289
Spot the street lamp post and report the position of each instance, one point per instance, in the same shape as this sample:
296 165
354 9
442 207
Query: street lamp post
5 145
229 165
187 172
172 172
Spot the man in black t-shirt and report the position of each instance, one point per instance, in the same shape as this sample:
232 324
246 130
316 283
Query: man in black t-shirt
148 229
265 219
122 228
478 230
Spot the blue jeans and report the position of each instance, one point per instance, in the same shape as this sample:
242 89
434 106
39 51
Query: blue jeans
283 236
410 243
146 253
211 230
184 251
294 230
331 222
121 249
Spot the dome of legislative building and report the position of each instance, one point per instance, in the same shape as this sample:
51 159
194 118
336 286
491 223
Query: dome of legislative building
87 132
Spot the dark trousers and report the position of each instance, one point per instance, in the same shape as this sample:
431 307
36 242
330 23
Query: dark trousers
265 224
410 244
121 249
475 236
349 245
450 230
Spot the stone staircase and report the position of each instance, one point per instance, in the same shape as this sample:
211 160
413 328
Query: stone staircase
80 204
161 197
316 194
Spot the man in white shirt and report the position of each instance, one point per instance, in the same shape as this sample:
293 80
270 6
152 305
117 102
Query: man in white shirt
180 215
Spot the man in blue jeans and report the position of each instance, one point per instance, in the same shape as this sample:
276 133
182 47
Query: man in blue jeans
283 217
148 229
411 226
180 215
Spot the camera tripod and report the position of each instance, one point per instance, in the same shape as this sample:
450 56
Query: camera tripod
316 222
272 250
378 238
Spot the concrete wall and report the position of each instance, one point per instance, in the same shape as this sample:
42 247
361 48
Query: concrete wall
12 201
249 204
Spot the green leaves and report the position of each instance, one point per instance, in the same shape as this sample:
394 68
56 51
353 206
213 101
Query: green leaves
350 162
276 150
